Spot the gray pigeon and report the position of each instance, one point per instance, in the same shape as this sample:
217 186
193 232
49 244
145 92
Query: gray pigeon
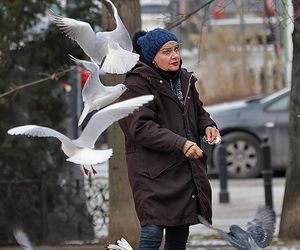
258 235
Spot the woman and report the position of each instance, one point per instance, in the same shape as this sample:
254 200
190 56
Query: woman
166 166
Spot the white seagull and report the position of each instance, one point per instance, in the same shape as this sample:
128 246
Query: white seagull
121 245
81 151
94 94
110 49
22 239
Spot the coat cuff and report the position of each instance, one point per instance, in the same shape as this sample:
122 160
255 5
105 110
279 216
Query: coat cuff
179 143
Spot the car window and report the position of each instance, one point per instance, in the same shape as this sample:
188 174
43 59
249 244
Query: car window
281 104
274 95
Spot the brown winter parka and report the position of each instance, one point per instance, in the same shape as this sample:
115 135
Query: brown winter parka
168 188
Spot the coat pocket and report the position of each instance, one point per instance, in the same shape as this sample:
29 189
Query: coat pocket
158 162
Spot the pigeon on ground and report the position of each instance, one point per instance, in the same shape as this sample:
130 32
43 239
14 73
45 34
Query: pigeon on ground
81 151
121 245
94 94
258 235
22 239
111 49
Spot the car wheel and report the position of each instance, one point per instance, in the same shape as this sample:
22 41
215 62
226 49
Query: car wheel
244 158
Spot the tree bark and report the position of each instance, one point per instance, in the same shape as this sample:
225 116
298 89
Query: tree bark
122 216
290 219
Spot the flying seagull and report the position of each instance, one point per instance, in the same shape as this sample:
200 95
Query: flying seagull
121 245
258 235
22 239
81 151
94 94
110 49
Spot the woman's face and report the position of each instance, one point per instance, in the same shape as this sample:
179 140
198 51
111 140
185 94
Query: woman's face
168 57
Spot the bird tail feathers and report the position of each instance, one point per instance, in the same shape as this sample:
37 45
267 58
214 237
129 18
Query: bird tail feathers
87 156
121 245
119 61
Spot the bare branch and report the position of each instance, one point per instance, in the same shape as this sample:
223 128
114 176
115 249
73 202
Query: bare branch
55 76
187 16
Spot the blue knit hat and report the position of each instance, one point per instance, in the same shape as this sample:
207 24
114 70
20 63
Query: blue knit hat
153 41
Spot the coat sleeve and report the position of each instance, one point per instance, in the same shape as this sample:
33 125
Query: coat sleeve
142 126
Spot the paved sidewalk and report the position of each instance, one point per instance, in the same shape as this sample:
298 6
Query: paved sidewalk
244 198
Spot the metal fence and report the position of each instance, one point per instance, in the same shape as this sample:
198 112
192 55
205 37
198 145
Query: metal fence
79 211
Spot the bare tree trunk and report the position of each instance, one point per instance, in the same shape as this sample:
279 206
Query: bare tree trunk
122 216
290 219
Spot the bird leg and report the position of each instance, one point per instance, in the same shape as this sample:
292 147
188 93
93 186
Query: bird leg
86 171
94 171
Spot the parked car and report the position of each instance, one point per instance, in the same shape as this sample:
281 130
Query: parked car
243 124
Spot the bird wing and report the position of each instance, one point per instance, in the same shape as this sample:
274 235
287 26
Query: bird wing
84 113
99 99
262 227
230 237
121 245
90 66
79 31
93 85
107 116
22 239
120 34
39 131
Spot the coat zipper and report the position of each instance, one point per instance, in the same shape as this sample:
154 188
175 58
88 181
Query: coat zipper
188 90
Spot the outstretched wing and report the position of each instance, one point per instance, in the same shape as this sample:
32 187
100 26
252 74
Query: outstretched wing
22 239
121 245
232 237
262 227
39 131
79 31
107 116
120 34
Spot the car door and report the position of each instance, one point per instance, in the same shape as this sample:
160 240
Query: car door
278 130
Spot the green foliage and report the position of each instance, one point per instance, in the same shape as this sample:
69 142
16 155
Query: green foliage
29 53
